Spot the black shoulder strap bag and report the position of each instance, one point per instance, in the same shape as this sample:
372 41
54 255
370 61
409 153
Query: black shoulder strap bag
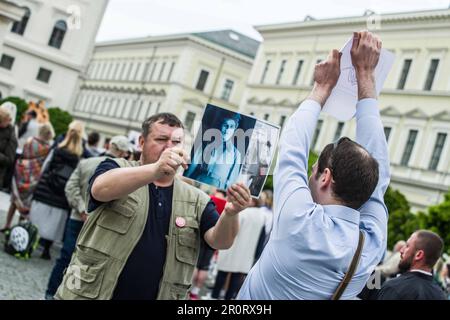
351 270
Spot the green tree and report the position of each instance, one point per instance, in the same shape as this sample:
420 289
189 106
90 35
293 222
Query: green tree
402 223
311 160
21 105
59 119
438 220
401 220
395 200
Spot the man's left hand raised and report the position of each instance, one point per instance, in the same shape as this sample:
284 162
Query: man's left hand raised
238 199
326 75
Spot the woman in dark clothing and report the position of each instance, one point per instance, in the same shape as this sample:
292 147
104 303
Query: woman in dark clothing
8 144
49 208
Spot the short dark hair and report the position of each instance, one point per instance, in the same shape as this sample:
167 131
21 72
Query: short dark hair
163 118
32 114
354 171
93 138
431 244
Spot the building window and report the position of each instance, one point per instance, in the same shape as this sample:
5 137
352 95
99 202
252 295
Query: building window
158 106
387 132
266 69
138 69
122 71
145 107
117 71
112 106
189 120
57 37
149 110
266 117
280 73
227 89
316 133
120 107
20 26
153 71
106 69
136 110
409 147
130 69
44 75
112 71
161 72
282 121
438 147
6 62
317 62
338 132
126 108
431 73
297 72
170 71
404 75
202 80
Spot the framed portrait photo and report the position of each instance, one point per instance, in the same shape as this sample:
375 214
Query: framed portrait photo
231 147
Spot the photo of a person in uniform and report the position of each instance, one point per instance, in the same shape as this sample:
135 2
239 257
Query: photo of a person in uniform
218 152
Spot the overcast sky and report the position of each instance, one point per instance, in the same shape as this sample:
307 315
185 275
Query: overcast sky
139 18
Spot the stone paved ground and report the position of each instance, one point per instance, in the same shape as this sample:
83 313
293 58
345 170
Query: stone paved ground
27 279
22 279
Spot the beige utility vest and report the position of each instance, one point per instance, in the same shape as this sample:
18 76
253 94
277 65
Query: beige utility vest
112 232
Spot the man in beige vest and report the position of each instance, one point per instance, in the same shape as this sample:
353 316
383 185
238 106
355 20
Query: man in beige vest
143 235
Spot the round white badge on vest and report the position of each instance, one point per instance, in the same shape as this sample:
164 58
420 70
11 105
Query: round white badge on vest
180 222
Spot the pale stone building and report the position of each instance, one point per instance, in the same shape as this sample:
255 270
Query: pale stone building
415 101
46 52
129 80
9 13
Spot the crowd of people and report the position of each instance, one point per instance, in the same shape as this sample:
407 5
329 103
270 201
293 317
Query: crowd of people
132 228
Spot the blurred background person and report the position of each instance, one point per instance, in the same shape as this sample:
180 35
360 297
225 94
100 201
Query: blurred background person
106 144
418 257
29 128
27 172
389 268
8 146
76 193
49 208
238 260
266 203
92 144
12 110
206 252
60 138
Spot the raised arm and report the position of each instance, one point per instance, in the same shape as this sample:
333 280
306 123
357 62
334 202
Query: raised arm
370 134
120 182
291 177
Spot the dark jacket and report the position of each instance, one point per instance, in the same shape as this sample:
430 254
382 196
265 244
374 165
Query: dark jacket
411 286
50 189
8 146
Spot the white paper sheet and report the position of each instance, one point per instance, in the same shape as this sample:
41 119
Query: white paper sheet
342 102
